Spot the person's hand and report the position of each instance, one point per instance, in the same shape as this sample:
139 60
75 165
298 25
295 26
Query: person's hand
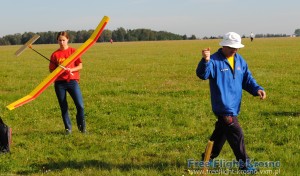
206 54
68 71
262 94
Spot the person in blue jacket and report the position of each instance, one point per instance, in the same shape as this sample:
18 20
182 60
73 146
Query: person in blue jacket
228 75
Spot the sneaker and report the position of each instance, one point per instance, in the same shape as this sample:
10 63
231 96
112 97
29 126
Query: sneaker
68 131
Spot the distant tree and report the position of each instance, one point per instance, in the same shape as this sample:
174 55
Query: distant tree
13 39
131 35
26 36
120 34
78 37
105 36
297 32
144 34
193 37
114 35
72 36
45 37
161 35
3 41
51 37
152 35
259 35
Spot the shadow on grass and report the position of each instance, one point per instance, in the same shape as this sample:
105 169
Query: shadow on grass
101 165
39 132
283 113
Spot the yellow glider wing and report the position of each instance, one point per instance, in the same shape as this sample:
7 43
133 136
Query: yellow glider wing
51 78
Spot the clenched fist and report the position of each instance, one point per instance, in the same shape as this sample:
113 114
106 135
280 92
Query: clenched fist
206 54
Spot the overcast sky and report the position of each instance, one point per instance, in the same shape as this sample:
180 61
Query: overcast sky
190 17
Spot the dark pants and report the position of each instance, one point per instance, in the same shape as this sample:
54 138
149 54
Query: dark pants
72 87
228 128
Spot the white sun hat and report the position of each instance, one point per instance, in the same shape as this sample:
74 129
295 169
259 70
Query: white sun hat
232 40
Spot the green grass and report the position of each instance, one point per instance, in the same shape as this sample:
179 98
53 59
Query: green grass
147 112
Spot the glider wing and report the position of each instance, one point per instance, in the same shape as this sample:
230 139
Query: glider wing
51 78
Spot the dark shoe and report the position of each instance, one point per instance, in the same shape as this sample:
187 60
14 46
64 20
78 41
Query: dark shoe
83 131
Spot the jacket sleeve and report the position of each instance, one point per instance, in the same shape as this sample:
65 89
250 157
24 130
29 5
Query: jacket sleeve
203 70
249 83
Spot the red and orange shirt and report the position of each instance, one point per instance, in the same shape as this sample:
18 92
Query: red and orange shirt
58 57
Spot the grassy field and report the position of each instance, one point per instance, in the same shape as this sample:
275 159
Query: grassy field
147 112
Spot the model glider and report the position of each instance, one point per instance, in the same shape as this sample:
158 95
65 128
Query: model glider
51 78
29 45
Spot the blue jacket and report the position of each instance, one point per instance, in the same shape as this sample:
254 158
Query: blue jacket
226 85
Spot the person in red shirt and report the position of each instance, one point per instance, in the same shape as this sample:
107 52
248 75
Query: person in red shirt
68 81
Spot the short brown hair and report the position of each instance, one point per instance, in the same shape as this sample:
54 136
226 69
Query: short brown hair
62 33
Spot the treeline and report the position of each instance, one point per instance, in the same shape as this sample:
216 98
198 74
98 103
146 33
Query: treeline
270 35
119 35
256 36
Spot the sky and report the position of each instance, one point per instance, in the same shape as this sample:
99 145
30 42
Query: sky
184 17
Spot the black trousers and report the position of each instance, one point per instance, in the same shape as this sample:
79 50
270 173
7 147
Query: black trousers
228 128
